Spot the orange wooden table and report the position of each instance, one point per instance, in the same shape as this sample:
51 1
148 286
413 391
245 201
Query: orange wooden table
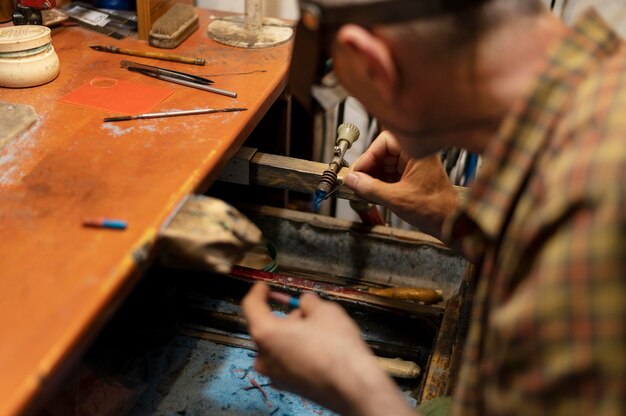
60 281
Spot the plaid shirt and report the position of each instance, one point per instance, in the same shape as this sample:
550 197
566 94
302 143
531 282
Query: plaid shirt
546 226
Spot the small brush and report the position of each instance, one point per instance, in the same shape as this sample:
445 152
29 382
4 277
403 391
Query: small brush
174 114
173 27
152 55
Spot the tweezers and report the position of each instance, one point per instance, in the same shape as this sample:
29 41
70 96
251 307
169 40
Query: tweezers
131 66
176 77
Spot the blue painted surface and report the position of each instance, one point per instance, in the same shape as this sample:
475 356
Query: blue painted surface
191 376
199 377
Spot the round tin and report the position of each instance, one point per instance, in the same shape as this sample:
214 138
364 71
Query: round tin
27 57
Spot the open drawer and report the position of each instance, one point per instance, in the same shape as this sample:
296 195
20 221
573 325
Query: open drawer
179 344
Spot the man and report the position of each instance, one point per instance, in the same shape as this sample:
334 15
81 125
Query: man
545 224
612 11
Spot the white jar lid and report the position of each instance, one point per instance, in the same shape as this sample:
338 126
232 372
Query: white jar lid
23 37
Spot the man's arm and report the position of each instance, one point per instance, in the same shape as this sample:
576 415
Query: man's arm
554 342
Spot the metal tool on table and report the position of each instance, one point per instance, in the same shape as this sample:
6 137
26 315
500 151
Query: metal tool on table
137 67
176 77
175 113
154 55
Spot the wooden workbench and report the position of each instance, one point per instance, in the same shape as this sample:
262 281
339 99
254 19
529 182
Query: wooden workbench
61 281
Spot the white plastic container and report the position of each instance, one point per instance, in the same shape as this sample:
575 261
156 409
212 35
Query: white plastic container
27 57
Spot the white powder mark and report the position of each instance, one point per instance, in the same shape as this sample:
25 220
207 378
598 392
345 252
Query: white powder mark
15 153
116 130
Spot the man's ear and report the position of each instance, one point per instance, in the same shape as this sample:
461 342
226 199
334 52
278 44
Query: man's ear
373 54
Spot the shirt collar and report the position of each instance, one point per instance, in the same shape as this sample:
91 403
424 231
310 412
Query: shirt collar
510 156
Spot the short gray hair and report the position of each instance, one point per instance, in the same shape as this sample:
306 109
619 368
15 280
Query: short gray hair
464 27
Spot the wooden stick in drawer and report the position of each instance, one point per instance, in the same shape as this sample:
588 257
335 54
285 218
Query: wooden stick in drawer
419 294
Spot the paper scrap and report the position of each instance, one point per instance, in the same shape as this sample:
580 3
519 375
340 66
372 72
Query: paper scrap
119 96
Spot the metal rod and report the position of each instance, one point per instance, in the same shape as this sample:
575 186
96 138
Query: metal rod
175 113
164 71
198 86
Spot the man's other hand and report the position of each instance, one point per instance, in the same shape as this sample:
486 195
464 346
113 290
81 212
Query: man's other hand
418 191
317 352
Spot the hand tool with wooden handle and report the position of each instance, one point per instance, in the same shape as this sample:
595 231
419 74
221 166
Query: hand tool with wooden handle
399 368
418 294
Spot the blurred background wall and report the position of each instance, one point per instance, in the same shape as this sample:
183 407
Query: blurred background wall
286 9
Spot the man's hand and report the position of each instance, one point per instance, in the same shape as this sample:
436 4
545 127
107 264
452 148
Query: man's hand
317 352
418 191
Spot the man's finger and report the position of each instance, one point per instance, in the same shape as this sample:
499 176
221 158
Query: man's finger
367 187
255 307
259 365
364 163
385 144
294 315
309 302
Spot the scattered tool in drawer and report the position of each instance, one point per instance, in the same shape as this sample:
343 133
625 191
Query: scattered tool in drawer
332 291
419 294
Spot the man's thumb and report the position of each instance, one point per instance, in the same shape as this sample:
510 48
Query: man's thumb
367 187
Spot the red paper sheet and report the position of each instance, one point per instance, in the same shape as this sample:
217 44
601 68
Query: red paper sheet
117 95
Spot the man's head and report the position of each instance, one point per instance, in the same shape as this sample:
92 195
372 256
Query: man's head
321 19
429 78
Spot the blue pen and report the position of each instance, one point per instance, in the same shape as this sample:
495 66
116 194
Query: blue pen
114 224
284 299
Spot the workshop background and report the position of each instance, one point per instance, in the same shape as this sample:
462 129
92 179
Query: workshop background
194 375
